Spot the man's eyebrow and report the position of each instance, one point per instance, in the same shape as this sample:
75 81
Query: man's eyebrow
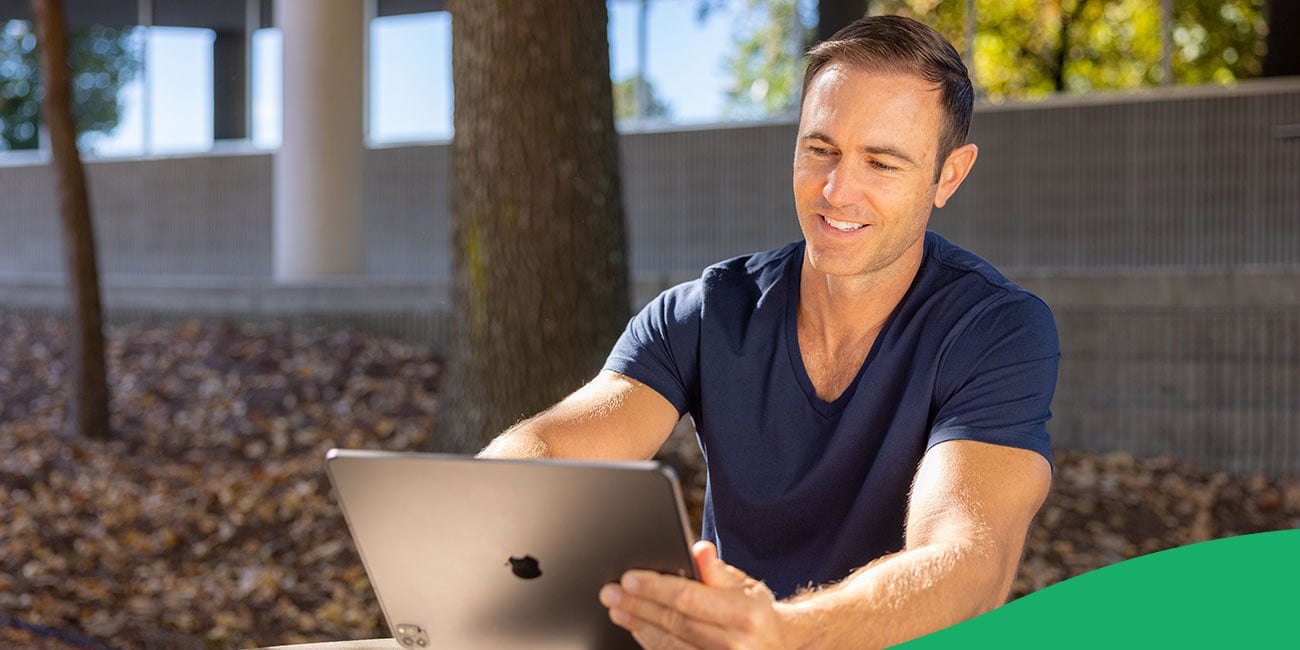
876 150
818 135
886 150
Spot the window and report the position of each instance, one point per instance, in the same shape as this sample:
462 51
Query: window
410 78
178 78
267 90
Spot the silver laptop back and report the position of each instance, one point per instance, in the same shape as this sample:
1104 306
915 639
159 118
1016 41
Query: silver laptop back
466 553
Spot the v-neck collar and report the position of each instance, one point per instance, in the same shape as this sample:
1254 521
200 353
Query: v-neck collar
795 279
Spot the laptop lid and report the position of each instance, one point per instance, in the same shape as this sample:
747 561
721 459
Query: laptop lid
479 553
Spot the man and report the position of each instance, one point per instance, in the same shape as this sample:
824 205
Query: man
870 401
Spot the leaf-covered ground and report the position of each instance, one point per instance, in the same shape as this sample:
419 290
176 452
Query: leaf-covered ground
207 521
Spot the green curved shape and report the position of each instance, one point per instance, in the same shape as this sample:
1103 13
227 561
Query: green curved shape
1239 592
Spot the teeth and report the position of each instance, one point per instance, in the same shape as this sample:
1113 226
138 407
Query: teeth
843 226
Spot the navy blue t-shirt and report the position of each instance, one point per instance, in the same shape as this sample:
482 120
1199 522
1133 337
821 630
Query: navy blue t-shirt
802 491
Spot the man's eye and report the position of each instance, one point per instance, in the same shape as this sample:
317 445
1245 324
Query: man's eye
883 167
819 151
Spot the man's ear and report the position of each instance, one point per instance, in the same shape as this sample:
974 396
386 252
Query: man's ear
954 171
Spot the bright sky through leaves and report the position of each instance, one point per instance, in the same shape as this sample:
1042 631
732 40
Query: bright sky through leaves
1112 44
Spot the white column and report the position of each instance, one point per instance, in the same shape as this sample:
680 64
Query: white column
318 169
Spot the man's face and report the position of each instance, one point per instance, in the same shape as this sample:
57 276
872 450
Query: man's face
864 169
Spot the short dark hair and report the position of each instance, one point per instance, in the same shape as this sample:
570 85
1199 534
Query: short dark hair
900 44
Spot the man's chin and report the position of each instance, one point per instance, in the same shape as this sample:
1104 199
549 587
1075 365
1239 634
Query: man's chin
837 264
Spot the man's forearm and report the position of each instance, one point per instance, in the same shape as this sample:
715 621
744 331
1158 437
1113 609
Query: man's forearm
898 598
611 418
519 441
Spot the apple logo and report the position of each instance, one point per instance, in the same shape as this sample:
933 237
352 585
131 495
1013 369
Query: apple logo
525 567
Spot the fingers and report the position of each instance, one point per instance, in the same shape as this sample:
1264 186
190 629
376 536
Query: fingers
657 626
666 611
695 600
653 638
713 571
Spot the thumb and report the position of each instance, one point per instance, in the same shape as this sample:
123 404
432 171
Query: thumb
713 571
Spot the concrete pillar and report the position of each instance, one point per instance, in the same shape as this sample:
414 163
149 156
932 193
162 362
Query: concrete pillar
318 169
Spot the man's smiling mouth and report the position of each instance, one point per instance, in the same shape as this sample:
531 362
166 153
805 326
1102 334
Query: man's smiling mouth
842 226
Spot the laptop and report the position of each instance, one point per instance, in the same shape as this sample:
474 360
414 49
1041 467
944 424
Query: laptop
479 553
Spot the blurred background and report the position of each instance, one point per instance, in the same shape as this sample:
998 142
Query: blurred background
1139 168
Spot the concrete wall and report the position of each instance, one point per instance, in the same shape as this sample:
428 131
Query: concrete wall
1190 178
1162 227
1187 178
1198 365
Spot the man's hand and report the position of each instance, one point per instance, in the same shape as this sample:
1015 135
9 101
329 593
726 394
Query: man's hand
726 609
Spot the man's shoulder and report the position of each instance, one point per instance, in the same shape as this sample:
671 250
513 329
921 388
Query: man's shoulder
737 280
970 300
971 305
952 264
762 269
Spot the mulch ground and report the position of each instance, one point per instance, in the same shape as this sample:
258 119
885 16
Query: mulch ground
207 520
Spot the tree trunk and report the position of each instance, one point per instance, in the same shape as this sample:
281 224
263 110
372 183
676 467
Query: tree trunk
1283 57
834 15
87 412
540 288
1061 56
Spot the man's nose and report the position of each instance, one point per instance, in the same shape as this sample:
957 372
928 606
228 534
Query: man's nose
842 187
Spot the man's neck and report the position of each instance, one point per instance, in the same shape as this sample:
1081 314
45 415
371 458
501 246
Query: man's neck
844 311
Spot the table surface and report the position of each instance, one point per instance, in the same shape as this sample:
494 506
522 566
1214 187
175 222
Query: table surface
366 644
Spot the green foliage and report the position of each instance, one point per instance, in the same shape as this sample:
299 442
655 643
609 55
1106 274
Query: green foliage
1219 41
102 60
1023 48
767 65
1026 49
946 16
625 100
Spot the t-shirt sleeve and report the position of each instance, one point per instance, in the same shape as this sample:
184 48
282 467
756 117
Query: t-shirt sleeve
660 346
997 379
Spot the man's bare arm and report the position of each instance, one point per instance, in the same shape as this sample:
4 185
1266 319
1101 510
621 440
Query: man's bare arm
971 507
613 417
